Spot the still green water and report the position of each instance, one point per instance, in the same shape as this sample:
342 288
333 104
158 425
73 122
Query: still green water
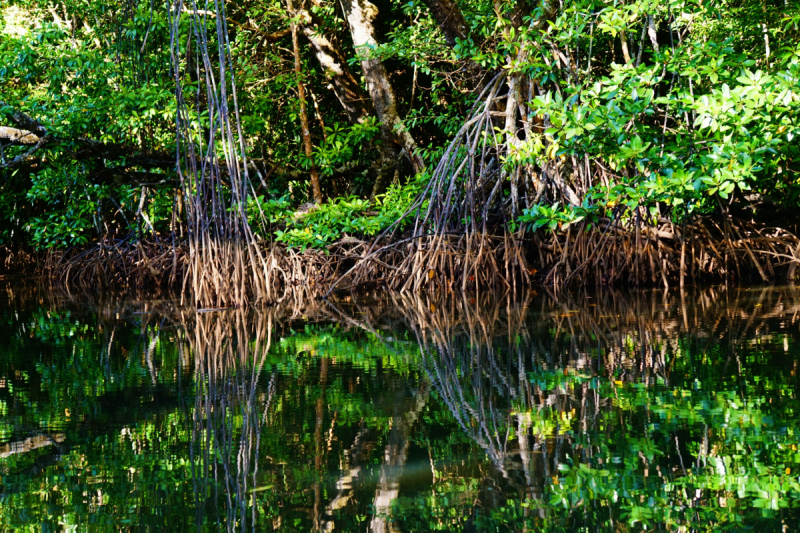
587 412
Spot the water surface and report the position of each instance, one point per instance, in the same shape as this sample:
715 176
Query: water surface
586 412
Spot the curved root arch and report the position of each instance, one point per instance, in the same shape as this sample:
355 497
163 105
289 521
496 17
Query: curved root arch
462 229
461 220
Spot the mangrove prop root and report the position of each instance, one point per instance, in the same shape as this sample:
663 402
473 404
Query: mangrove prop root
607 253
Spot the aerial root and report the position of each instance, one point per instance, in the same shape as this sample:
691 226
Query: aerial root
606 253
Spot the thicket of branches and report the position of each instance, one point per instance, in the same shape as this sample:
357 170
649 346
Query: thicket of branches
442 143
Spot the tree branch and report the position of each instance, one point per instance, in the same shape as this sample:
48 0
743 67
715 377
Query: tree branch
23 121
14 136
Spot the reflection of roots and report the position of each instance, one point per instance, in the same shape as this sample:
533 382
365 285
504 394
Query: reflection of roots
229 350
504 368
590 332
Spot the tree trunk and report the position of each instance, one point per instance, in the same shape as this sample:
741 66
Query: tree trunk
25 122
360 16
454 27
451 20
17 136
515 11
348 90
301 94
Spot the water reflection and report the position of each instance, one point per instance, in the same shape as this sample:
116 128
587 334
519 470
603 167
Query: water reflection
229 414
592 411
599 410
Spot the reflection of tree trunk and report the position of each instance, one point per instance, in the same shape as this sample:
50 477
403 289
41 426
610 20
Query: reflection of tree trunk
360 16
393 461
344 484
30 444
524 427
323 377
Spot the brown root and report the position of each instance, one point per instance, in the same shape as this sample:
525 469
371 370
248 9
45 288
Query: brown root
607 253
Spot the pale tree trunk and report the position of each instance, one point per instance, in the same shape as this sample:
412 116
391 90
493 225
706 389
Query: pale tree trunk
301 94
355 102
17 136
512 107
513 101
360 16
516 105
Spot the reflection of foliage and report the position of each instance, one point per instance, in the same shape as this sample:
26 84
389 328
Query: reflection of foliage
627 414
124 396
66 369
678 430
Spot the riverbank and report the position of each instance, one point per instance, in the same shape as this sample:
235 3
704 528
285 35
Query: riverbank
608 252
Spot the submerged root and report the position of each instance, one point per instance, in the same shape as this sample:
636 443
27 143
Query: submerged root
14 261
669 254
118 263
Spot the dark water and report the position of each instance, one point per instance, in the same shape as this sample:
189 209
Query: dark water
586 412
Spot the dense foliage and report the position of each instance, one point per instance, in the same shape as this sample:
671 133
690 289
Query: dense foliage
677 106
